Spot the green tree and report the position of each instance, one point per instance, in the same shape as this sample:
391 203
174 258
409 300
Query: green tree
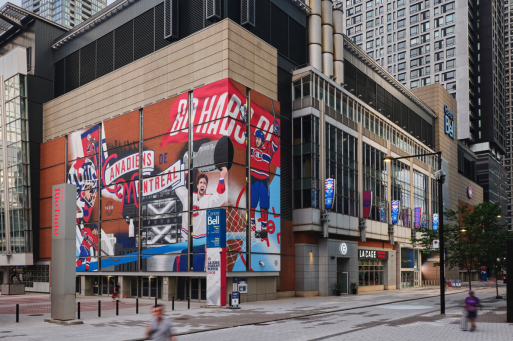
464 235
494 241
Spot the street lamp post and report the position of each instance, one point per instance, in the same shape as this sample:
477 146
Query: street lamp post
441 179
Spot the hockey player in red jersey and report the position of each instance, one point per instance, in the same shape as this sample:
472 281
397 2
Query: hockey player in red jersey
90 238
262 153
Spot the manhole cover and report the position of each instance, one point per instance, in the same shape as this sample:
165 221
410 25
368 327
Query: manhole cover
37 315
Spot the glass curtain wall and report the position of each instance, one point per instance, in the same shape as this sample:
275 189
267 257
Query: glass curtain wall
375 180
421 195
342 165
401 191
306 162
18 176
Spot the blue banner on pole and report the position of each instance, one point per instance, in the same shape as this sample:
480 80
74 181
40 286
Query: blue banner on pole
435 222
329 190
216 228
395 211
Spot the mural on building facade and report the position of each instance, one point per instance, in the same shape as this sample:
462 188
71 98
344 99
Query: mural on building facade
137 196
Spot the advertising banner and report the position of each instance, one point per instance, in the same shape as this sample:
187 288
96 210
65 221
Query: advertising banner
216 257
417 217
382 215
146 209
367 203
405 215
435 222
329 192
395 211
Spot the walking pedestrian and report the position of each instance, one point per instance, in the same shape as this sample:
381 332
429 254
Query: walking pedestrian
471 305
160 328
117 290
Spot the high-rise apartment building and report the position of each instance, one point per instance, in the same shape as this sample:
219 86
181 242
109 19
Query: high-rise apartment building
457 44
67 13
508 50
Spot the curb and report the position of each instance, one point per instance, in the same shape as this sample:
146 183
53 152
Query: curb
313 314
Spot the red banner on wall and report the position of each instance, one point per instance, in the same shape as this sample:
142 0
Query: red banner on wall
367 203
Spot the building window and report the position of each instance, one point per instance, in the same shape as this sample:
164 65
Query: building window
401 186
370 272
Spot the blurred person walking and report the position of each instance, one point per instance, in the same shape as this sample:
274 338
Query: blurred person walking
472 303
160 328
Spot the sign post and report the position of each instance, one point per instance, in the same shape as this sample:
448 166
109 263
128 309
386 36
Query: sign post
63 252
216 257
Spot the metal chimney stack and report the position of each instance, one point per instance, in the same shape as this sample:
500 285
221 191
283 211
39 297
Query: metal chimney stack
338 43
327 37
314 35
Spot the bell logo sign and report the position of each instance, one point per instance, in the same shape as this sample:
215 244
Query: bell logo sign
448 122
213 220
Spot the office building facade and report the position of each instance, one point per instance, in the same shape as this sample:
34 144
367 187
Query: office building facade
68 13
458 44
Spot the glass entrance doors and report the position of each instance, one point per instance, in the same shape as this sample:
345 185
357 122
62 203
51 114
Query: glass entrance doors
195 288
149 287
343 279
416 279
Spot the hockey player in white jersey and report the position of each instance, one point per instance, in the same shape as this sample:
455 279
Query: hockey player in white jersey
201 202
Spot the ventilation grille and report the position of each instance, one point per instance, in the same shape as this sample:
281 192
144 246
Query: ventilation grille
171 19
233 8
143 34
247 12
212 9
105 55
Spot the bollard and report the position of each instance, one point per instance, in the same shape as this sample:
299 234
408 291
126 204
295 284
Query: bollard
173 303
17 313
188 303
117 307
78 311
230 300
99 308
137 306
155 301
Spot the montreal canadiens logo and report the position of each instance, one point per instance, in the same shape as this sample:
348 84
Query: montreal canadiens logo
469 192
258 155
109 208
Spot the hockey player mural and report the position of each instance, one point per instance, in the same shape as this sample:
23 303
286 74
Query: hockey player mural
155 194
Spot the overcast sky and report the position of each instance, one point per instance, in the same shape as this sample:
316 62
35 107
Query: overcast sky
18 2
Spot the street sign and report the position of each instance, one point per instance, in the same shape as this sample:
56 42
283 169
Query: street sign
242 286
235 298
436 244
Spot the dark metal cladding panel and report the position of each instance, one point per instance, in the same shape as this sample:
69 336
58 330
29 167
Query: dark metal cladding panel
361 86
124 45
191 17
371 92
285 99
233 9
160 41
398 111
298 43
144 31
279 30
350 77
73 71
380 98
88 63
59 81
171 19
105 55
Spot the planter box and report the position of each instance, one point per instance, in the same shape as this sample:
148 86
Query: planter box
13 289
354 291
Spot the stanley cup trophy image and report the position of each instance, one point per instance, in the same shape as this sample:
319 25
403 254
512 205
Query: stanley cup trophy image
213 156
208 157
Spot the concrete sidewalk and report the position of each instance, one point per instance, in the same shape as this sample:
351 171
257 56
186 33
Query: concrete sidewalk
128 326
